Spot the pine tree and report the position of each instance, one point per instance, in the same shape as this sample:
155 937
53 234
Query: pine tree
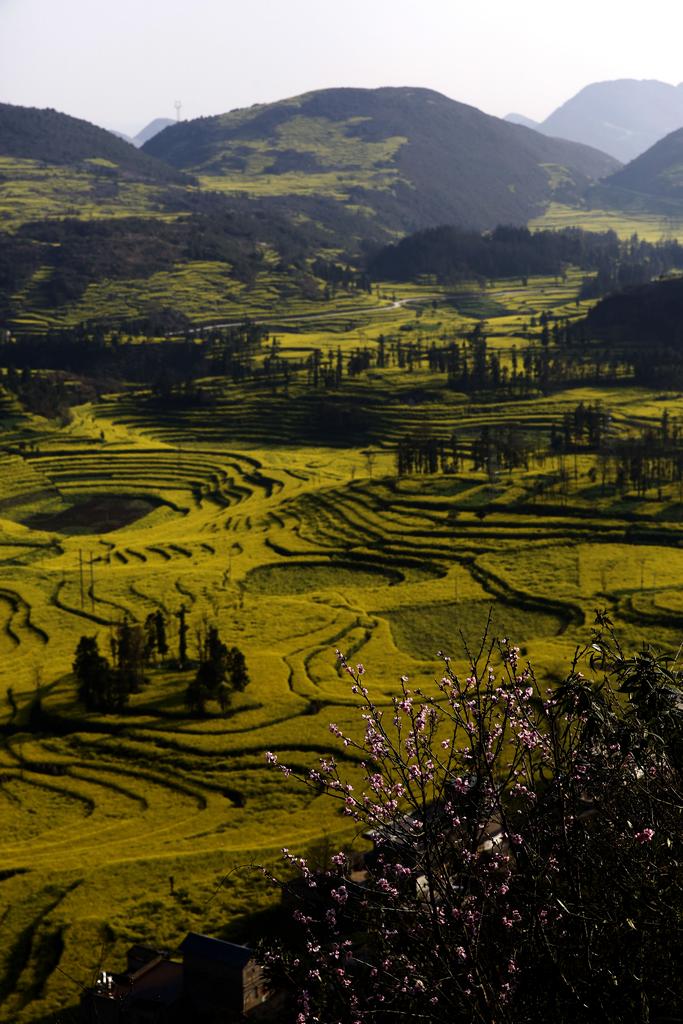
160 625
237 668
131 651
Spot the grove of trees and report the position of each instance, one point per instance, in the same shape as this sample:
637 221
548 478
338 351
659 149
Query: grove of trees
105 684
222 670
450 254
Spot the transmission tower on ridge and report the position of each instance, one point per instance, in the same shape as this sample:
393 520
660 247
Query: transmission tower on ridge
178 105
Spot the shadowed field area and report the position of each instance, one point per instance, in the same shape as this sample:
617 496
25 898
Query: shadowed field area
94 515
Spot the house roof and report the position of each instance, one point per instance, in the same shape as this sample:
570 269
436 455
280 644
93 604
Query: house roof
206 948
161 983
158 981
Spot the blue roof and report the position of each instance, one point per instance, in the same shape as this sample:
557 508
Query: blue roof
206 948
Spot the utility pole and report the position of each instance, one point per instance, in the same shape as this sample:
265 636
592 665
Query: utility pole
92 584
80 567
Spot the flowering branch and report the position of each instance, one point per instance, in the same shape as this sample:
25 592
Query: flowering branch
499 812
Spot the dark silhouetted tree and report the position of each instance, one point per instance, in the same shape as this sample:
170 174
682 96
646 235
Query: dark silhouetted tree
100 687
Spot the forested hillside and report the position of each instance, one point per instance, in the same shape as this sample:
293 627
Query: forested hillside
449 254
46 135
654 181
644 315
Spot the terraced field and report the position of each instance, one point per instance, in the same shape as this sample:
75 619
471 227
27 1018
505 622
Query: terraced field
651 227
31 190
205 291
240 514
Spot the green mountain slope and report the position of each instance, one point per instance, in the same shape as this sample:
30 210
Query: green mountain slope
653 181
395 159
54 166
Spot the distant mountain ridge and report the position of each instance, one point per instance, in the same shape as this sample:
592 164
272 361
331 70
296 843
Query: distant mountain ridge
624 117
528 122
151 129
148 132
396 159
121 135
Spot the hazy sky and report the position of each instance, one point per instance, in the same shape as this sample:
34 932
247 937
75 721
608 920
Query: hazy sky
120 63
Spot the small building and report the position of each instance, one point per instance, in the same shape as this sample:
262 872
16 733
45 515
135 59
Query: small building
221 975
216 982
148 992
